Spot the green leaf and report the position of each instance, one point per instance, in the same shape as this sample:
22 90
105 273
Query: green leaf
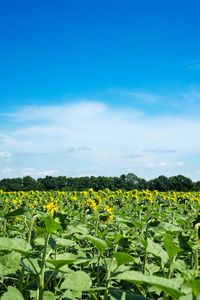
77 229
139 225
29 263
9 263
151 268
163 228
124 295
79 281
48 296
117 237
22 211
179 265
157 251
166 285
195 285
122 258
60 263
51 225
187 297
17 245
98 243
71 295
64 243
67 259
11 294
184 241
170 247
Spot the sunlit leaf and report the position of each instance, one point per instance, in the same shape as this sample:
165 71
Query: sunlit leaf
156 250
98 243
9 263
195 285
51 225
12 294
122 258
48 296
166 285
170 247
79 281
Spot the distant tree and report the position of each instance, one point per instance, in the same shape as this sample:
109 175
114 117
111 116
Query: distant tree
15 184
61 182
132 181
93 183
28 183
41 186
197 186
49 183
180 183
117 183
69 184
4 184
142 184
160 184
124 182
110 183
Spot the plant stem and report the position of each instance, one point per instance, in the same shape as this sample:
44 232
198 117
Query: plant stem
41 275
145 253
29 241
171 261
196 263
108 275
31 228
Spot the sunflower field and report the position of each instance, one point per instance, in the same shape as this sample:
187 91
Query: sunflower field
99 245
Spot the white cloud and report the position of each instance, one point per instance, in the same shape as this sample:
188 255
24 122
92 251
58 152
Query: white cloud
84 149
150 166
5 154
45 173
129 156
6 171
82 135
144 96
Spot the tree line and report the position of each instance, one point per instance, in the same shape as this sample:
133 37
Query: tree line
124 182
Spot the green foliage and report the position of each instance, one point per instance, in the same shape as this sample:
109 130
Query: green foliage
52 248
125 182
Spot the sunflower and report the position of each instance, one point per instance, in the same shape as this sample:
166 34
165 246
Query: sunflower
97 200
89 206
106 214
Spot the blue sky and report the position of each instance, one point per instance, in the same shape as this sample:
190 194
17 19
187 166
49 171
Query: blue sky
99 88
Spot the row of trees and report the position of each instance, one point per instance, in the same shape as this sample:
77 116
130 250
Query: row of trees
124 182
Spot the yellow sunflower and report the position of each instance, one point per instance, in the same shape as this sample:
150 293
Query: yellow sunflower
105 214
89 206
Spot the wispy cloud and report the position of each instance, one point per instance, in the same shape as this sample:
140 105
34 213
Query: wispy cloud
84 149
131 156
151 150
151 98
195 64
6 171
5 154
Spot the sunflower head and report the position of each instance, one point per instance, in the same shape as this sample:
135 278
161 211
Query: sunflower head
97 200
106 214
89 206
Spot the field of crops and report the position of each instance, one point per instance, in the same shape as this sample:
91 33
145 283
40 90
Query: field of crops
99 245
